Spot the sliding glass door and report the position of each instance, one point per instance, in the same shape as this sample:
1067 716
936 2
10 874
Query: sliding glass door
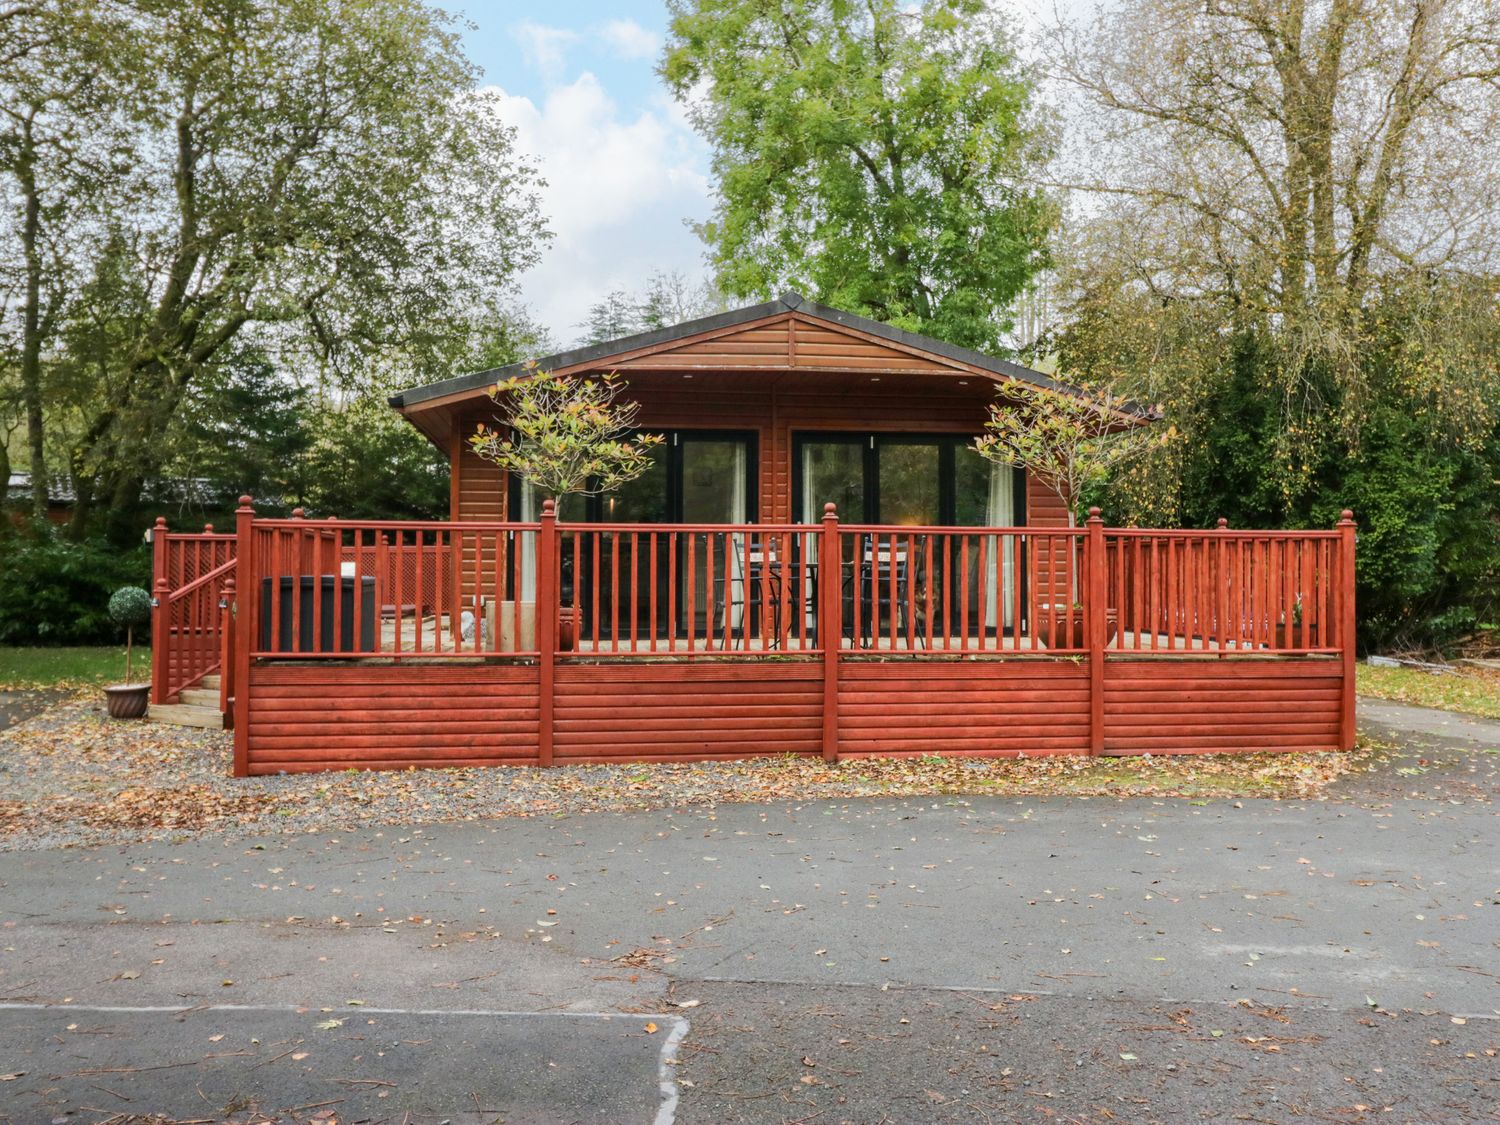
697 477
921 480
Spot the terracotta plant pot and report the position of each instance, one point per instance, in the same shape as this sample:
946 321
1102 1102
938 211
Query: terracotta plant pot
567 629
1295 640
1052 628
1054 633
127 701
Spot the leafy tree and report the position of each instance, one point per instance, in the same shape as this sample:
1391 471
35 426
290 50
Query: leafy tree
60 68
880 155
246 429
1293 166
566 436
319 180
612 316
1289 243
366 462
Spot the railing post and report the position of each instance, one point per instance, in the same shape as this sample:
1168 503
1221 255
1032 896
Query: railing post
247 613
226 648
1346 627
830 625
546 627
1096 618
160 590
1221 586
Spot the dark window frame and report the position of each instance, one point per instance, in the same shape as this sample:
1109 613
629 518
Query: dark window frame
871 441
593 511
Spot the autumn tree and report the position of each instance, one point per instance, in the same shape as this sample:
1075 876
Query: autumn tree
1292 162
880 155
1289 232
1068 439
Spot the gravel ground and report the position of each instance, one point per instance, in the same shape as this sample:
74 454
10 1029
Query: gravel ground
70 776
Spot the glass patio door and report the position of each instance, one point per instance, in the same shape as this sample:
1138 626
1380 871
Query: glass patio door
714 477
699 477
915 480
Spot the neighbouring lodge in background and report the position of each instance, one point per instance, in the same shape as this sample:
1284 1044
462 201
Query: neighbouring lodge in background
817 561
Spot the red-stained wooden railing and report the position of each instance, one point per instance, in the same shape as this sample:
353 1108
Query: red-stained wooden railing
1224 591
403 590
691 590
567 596
188 574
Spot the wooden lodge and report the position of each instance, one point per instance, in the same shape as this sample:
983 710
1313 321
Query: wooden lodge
817 564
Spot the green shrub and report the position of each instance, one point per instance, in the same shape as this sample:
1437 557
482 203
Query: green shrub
54 592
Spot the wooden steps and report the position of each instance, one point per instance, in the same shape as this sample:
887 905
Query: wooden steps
197 707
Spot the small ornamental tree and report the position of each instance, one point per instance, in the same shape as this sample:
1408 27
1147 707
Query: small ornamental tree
129 606
1069 441
566 435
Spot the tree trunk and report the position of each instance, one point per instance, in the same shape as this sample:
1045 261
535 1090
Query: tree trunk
31 324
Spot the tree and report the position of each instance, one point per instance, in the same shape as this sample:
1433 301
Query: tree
1068 441
247 428
879 155
1291 163
366 462
666 298
321 180
1289 241
566 436
612 316
60 65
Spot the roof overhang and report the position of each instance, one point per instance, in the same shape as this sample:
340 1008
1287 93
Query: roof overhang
689 345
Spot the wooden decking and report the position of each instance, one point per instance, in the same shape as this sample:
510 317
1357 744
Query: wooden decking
540 644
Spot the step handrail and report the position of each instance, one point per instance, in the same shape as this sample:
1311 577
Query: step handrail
201 580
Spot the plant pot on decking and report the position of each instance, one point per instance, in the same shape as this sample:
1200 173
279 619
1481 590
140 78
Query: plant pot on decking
1052 628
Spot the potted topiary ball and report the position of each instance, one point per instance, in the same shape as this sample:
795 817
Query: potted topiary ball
129 606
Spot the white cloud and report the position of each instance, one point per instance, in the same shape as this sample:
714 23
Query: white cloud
544 47
630 39
619 187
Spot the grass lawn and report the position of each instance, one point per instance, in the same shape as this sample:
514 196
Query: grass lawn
69 667
1467 689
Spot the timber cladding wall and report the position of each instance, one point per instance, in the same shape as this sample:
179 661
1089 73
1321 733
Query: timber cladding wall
1167 706
385 716
686 712
992 707
310 717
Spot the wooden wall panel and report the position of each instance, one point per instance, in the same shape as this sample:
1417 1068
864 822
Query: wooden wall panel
990 708
819 346
1176 706
367 716
687 712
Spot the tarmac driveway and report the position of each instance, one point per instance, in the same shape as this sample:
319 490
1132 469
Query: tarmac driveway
944 959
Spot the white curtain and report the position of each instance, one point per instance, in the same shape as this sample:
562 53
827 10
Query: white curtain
531 512
1000 554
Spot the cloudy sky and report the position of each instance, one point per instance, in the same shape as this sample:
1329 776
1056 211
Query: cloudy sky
625 171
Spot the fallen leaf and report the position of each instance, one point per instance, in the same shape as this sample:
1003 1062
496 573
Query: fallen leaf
328 1025
650 1029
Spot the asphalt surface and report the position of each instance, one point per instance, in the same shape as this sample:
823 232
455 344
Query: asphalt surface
927 960
18 706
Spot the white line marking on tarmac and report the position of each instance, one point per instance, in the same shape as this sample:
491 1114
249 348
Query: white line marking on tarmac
666 1080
